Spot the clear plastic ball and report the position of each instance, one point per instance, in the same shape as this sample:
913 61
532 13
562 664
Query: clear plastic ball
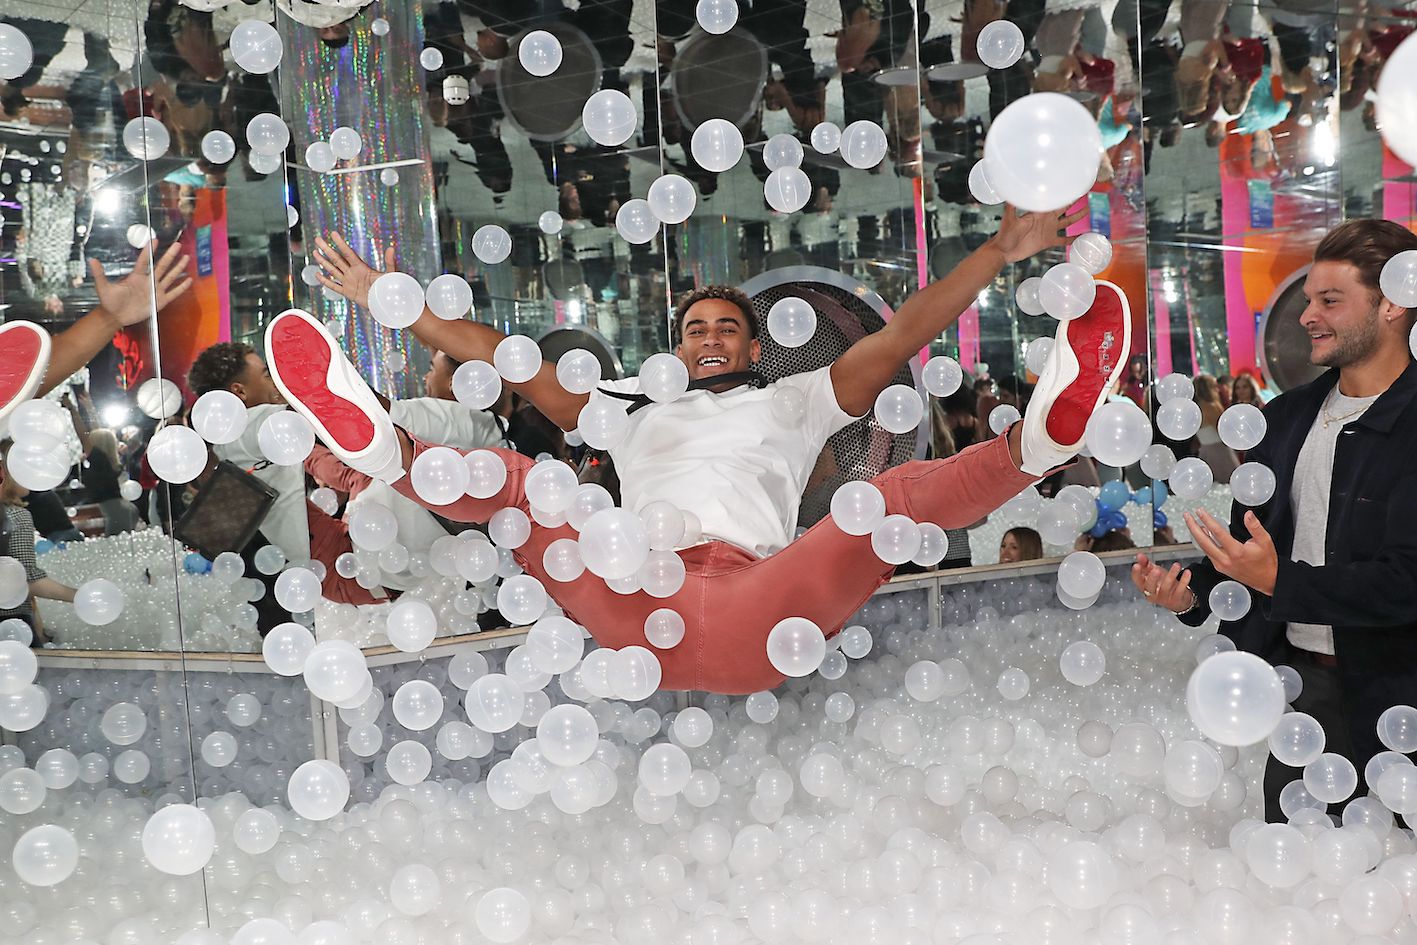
540 53
717 145
1066 291
863 144
146 138
477 385
796 646
177 454
517 358
609 117
1000 44
179 839
1043 152
1235 698
396 300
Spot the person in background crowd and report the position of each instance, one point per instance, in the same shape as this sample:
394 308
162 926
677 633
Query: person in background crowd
19 544
1020 544
1220 458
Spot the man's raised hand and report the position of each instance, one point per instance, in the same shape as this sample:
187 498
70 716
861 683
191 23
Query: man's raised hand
131 300
1023 235
344 271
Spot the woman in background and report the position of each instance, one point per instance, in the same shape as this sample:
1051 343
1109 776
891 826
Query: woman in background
1020 544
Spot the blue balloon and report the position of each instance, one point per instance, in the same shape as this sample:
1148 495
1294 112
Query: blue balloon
1142 496
1100 529
1113 495
43 545
1158 519
1116 520
196 564
1159 493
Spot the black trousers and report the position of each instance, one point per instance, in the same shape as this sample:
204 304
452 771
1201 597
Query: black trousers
1322 699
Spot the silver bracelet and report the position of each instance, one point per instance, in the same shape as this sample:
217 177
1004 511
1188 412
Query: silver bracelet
1195 602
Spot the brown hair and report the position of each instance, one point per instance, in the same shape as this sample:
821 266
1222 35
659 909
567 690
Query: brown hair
727 293
1030 543
218 367
1367 245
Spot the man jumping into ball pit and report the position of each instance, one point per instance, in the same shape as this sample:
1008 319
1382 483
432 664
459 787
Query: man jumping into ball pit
719 452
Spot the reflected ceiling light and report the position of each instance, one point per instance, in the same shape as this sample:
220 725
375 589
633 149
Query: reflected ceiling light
116 414
108 202
1325 147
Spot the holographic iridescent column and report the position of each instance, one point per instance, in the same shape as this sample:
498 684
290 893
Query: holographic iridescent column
373 84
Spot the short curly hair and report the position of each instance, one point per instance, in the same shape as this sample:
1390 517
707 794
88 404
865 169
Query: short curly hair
218 367
727 293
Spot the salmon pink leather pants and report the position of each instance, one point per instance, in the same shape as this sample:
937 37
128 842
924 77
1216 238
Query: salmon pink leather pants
730 599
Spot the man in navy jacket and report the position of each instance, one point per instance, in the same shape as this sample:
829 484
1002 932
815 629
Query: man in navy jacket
1331 558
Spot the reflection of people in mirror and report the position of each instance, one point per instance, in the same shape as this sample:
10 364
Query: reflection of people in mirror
19 544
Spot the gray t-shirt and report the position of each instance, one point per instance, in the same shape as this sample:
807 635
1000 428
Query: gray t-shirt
1313 474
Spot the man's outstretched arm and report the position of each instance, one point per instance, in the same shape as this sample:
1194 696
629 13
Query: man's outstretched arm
342 270
121 304
868 367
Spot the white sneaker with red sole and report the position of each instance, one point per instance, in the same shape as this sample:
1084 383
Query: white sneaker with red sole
310 369
1089 354
26 358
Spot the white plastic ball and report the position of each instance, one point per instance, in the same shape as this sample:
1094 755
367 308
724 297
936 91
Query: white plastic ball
1043 152
716 145
609 117
540 53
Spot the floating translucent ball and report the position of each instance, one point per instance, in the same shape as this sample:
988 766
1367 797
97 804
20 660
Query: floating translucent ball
782 150
1043 152
1027 298
255 45
1066 291
1174 387
1229 600
614 543
509 528
517 358
898 409
857 507
1002 417
16 52
942 376
265 163
716 145
1082 663
716 16
603 422
979 187
635 222
1178 419
417 705
40 424
476 384
1396 107
98 602
1191 478
1297 739
796 646
562 560
159 398
22 791
335 670
219 417
521 599
1397 728
787 189
550 221
792 321
1252 484
555 644
1158 461
863 144
267 135
346 143
431 58
1398 279
826 137
492 244
396 300
1330 778
18 667
140 235
179 839
1000 44
23 710
1235 698
634 673
146 138
1118 433
540 53
896 539
1242 426
672 198
664 378
285 438
49 854
494 703
1091 251
297 590
609 117
439 475
664 628
219 749
318 789
1081 574
1036 354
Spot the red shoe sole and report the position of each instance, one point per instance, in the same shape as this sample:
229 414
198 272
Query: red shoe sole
1098 340
304 362
16 367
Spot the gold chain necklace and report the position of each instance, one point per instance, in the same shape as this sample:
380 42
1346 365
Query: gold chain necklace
1330 419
